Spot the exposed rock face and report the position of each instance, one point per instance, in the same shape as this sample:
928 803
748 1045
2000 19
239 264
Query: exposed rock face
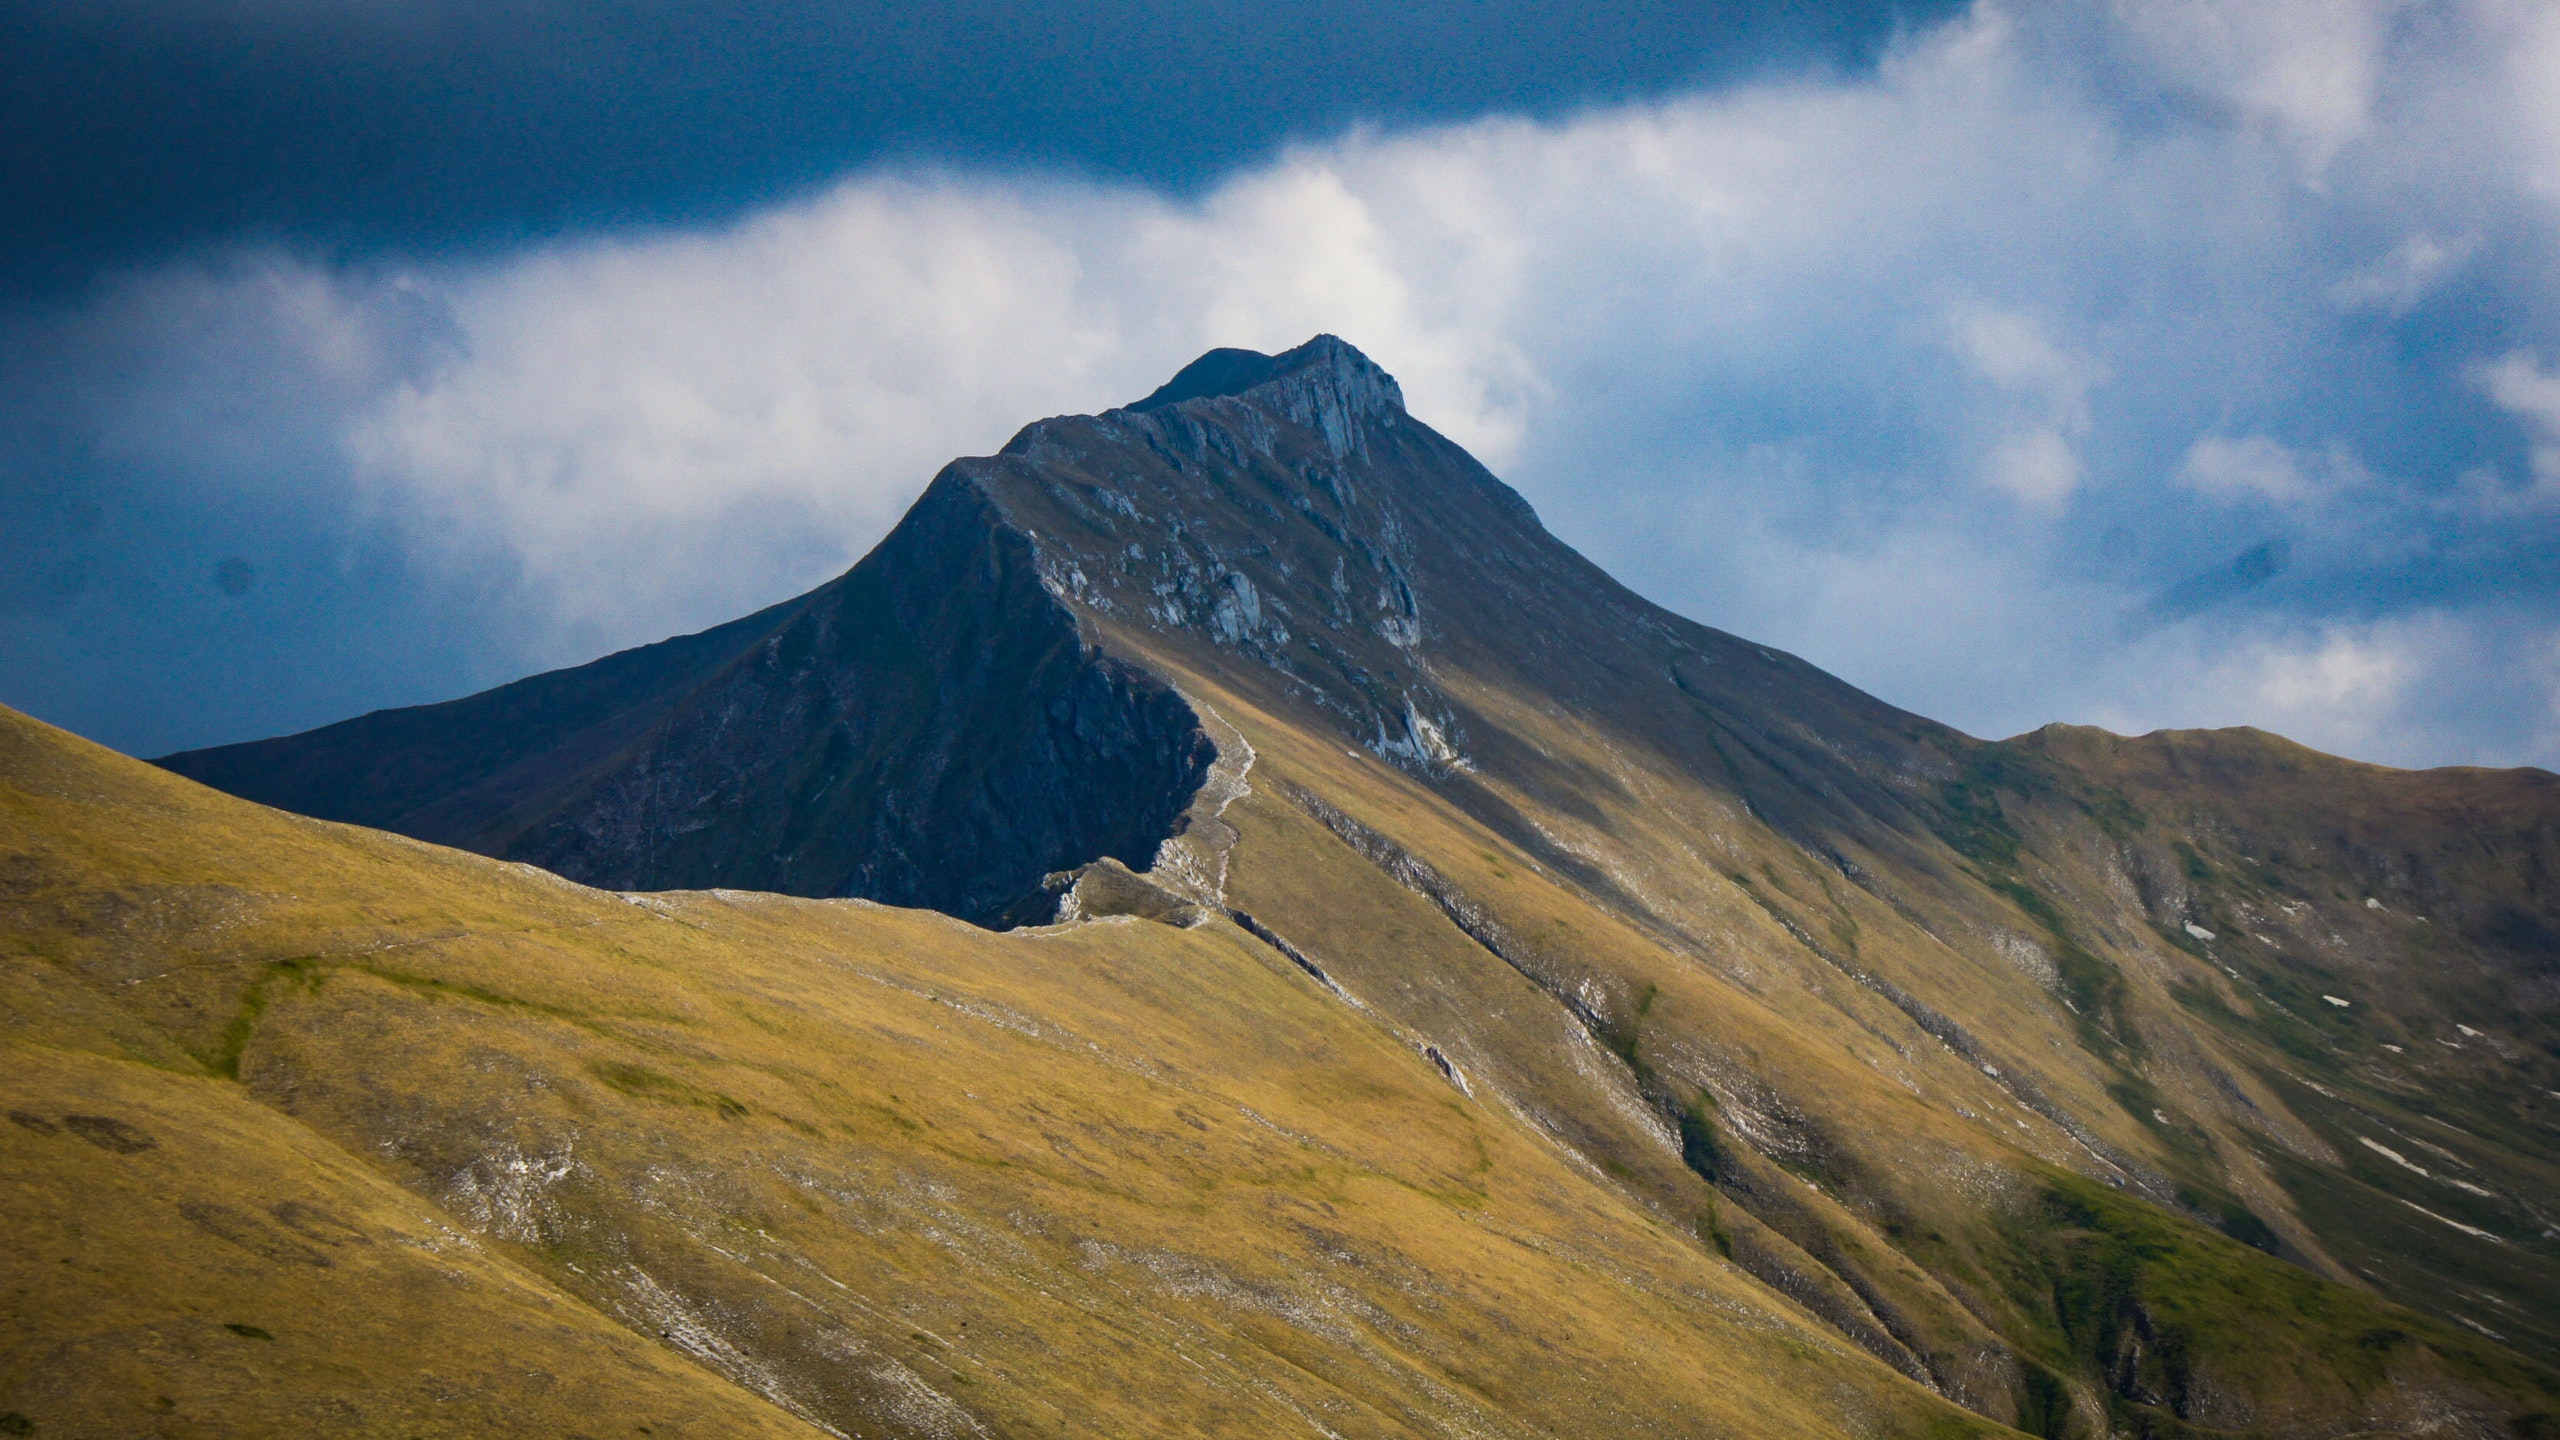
1287 522
1281 521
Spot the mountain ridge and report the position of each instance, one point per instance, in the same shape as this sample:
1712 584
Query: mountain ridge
2017 1062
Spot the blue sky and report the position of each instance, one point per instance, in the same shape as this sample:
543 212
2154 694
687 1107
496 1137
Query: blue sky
2156 362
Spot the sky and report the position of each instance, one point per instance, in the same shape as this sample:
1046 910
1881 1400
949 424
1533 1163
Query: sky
2137 363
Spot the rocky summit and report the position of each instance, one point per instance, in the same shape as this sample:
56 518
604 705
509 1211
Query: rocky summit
1410 985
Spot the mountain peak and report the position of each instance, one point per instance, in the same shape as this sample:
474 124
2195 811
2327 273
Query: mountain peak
1739 941
1326 376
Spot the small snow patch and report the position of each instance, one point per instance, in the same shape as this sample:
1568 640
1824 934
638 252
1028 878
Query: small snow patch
2387 1153
2199 931
2467 1030
2473 1231
2334 1000
2372 904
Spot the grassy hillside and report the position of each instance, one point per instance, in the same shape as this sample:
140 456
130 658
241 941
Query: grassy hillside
319 1129
2190 1084
2044 1201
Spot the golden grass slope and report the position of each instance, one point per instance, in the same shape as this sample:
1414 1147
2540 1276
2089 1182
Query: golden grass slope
1880 1099
318 1130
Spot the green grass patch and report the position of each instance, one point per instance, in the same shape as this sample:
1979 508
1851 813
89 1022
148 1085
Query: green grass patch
2139 1302
642 1083
1971 819
237 1032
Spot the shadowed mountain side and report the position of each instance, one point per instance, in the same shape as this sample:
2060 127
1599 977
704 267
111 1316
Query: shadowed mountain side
451 772
928 729
2475 852
2380 947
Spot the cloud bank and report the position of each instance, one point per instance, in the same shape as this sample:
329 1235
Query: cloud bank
2141 364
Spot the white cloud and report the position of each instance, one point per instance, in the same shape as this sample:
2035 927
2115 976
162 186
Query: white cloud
2512 83
2396 283
2048 389
1788 357
2408 690
2013 352
655 426
2523 388
2036 465
2309 69
2250 465
2256 467
2341 679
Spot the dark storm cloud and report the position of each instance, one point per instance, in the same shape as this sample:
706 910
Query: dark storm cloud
128 127
178 539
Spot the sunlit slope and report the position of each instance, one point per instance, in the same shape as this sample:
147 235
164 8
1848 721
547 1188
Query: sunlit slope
1957 1183
330 1131
2380 949
1927 1010
185 1261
